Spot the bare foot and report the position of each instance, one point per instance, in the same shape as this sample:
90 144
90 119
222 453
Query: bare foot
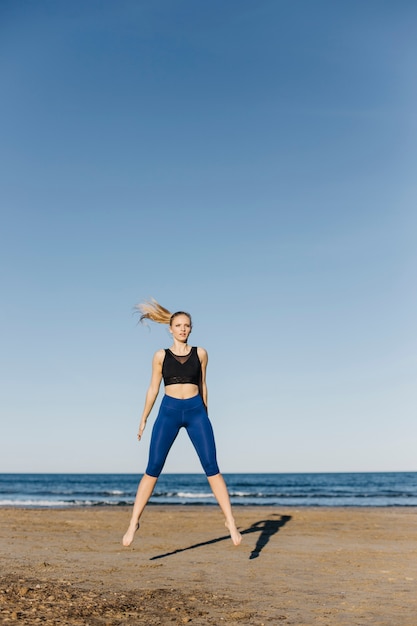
234 533
129 535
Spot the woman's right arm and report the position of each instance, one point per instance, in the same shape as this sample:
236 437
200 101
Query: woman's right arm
153 389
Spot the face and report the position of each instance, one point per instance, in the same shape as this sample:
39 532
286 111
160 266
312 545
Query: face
180 327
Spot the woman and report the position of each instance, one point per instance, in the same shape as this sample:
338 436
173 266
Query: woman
183 369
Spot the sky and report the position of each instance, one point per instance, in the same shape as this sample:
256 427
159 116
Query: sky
253 163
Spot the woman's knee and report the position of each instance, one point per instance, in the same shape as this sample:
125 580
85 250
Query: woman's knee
211 470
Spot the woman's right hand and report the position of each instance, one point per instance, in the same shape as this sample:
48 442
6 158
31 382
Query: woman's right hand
140 432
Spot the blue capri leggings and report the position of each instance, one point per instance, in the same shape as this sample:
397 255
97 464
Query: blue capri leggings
173 415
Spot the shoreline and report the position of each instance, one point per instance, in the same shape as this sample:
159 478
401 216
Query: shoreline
296 565
211 505
235 505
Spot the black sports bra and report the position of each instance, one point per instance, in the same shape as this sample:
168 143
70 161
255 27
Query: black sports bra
181 369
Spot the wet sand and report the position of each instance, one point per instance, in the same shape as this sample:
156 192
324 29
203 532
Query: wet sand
352 566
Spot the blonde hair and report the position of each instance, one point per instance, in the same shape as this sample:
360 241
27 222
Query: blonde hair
152 310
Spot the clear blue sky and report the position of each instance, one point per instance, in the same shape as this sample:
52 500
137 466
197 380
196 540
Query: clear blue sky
251 162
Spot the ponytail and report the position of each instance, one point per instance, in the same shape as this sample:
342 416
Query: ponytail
152 310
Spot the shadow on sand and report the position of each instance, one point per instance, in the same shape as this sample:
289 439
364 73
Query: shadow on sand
266 529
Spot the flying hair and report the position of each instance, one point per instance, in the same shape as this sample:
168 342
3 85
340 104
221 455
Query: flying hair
152 310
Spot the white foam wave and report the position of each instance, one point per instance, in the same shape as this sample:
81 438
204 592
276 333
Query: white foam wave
187 494
37 503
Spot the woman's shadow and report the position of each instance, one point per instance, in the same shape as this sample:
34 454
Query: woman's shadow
266 527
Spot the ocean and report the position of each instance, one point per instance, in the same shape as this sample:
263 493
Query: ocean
315 489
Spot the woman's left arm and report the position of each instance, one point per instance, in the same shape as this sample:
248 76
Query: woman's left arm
203 356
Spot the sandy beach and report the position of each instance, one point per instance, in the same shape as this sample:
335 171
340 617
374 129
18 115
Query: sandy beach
352 566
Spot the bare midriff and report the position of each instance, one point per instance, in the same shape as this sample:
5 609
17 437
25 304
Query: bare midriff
181 391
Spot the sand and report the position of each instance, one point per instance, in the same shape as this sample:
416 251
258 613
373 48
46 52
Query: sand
353 566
